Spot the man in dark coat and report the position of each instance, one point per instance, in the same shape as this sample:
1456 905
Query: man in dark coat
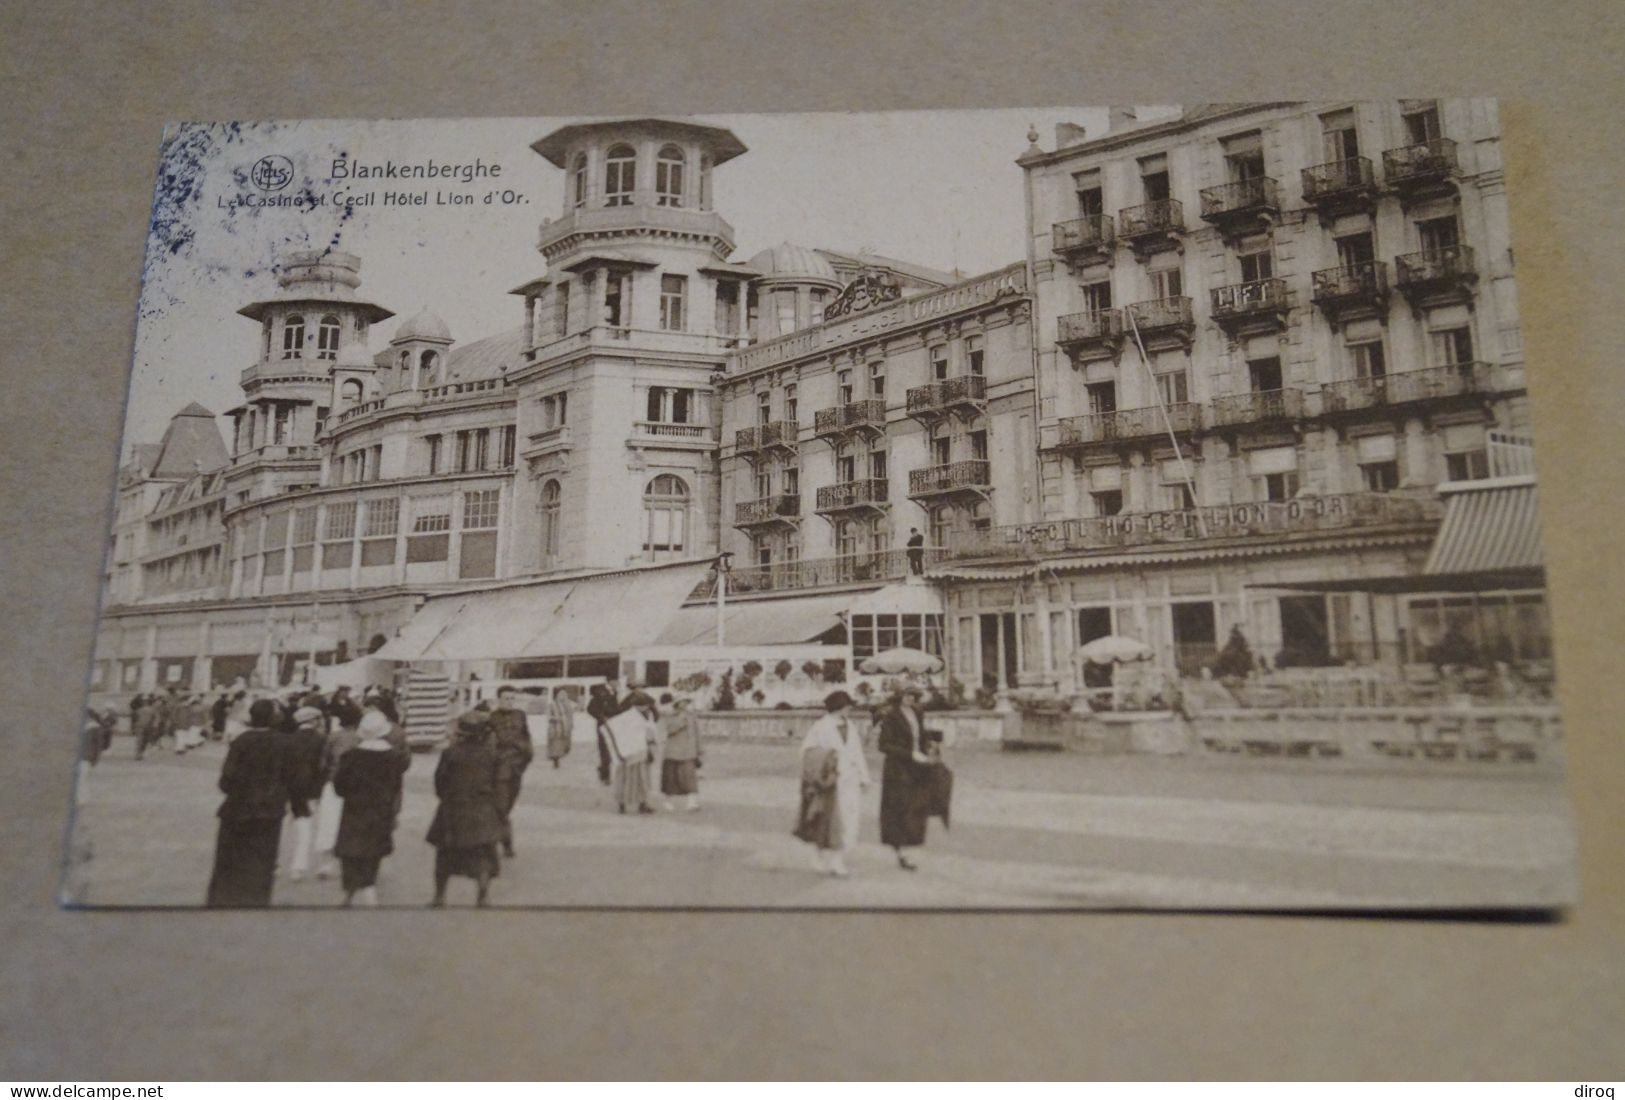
305 747
909 791
601 707
255 779
510 737
916 551
155 717
467 824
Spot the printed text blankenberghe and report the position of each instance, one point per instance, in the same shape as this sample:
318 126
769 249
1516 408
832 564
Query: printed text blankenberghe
344 168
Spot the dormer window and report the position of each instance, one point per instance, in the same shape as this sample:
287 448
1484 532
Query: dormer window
293 337
620 172
578 181
327 338
669 177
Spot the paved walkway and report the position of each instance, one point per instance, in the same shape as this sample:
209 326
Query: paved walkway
1029 830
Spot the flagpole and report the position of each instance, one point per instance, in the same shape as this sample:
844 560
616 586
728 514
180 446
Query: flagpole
1167 422
722 595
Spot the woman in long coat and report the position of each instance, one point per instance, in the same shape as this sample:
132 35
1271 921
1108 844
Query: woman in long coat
342 736
467 825
830 817
561 717
679 767
369 781
905 779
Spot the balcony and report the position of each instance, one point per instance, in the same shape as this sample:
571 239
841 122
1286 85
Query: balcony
1436 276
782 508
1258 407
963 396
660 435
1406 388
1083 238
1258 306
1152 226
864 495
765 439
853 418
278 452
1340 186
805 573
586 225
1163 318
971 477
1346 291
547 441
1094 334
1305 516
1421 171
1127 425
1241 205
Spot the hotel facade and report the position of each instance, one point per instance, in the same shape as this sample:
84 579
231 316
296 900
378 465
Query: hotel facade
1244 349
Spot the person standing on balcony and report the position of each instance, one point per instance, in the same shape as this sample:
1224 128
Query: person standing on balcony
916 552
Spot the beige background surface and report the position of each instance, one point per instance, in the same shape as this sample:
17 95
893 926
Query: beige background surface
86 88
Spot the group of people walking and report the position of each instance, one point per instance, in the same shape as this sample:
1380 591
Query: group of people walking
638 738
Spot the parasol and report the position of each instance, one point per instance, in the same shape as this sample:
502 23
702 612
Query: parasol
1114 649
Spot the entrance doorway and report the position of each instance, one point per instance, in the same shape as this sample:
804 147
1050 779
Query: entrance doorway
1305 631
1196 636
999 657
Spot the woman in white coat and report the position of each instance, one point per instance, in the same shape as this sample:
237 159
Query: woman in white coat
830 815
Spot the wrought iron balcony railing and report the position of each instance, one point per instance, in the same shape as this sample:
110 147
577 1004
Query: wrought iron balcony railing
1151 219
1427 162
1338 179
870 413
1162 314
947 393
775 433
969 474
1127 424
1099 326
1240 197
1257 407
863 492
1405 387
1366 281
773 509
1239 300
1091 233
1434 267
843 569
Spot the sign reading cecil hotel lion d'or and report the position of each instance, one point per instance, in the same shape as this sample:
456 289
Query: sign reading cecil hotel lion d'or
1101 507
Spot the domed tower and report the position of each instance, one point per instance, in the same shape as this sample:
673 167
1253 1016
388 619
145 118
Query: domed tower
290 389
636 311
418 353
795 285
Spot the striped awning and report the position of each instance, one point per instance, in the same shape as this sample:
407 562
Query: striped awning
757 622
1488 527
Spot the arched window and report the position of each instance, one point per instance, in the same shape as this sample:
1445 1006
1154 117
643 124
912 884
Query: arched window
665 517
429 370
578 181
669 177
327 338
551 494
293 337
350 392
620 175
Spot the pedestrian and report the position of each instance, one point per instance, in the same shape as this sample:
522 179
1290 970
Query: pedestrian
510 737
600 708
154 724
916 551
237 716
906 778
94 740
305 746
369 781
341 738
631 733
187 718
467 824
254 779
834 775
561 718
680 768
138 707
217 716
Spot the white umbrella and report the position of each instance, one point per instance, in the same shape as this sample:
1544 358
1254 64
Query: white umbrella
1114 649
891 662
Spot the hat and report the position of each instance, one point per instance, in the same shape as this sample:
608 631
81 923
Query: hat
306 715
474 723
836 700
374 724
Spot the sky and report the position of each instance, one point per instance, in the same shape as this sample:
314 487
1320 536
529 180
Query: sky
939 188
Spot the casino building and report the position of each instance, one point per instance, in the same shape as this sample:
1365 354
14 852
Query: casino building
1245 347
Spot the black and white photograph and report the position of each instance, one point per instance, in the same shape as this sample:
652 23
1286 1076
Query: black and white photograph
1116 507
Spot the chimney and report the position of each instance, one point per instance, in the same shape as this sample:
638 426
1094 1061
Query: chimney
1120 118
1069 133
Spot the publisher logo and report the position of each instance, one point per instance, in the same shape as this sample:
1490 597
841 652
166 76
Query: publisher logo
272 173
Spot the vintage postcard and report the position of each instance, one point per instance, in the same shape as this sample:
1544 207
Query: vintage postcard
1101 507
